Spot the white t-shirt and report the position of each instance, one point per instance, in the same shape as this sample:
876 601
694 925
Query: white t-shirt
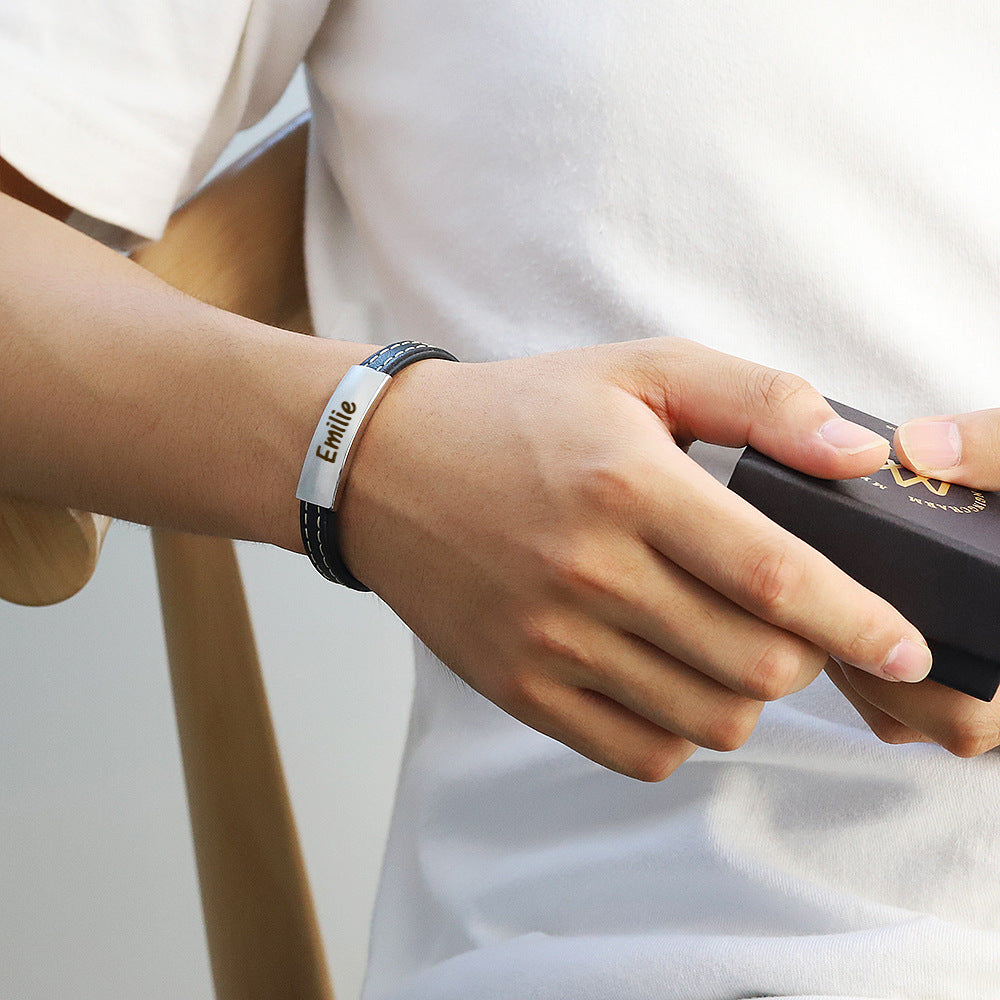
809 185
120 108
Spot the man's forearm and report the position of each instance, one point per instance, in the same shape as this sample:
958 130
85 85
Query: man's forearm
553 553
123 396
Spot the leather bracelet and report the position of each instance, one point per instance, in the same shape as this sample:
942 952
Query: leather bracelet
324 470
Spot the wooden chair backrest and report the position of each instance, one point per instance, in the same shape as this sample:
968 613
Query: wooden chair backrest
237 244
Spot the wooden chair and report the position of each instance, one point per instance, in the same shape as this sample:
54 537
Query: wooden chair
237 244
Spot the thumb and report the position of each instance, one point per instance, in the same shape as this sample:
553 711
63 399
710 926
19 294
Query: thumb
962 449
725 400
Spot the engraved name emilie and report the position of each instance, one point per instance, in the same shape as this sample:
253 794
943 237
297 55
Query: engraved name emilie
337 423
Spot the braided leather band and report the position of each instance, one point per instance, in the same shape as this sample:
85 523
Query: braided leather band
319 522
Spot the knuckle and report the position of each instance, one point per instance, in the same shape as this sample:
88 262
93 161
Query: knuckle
973 736
534 698
614 485
994 453
578 569
772 577
555 645
544 636
989 452
525 689
775 672
980 465
892 732
869 643
773 389
654 764
728 730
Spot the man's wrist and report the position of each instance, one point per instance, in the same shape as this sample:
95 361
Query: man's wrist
308 370
328 457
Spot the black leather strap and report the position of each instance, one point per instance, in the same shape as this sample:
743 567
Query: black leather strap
396 357
319 524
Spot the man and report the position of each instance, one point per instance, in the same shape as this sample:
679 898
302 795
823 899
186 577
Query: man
537 522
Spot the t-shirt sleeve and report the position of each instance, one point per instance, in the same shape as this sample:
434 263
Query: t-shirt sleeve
119 107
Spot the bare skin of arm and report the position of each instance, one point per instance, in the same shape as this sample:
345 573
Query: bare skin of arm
125 397
536 522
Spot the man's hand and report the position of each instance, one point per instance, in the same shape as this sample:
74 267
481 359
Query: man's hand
961 449
539 525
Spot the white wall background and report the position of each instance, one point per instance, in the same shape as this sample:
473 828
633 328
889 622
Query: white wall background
98 891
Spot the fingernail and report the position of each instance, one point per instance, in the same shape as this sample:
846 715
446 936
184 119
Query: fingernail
931 444
850 437
908 661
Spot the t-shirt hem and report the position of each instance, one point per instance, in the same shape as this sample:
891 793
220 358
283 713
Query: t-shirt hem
93 158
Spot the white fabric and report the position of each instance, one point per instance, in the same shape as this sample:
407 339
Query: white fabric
809 185
119 108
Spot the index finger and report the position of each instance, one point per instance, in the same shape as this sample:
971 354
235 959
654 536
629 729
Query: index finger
725 542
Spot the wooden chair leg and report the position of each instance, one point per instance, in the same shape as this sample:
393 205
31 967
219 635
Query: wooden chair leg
262 931
47 553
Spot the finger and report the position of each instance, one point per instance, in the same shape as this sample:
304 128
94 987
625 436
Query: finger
607 732
705 395
653 599
725 542
883 725
963 725
961 449
639 676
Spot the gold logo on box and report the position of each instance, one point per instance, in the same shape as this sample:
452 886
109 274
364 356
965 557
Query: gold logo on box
911 478
907 480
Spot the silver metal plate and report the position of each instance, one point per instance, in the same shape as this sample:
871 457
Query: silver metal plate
344 417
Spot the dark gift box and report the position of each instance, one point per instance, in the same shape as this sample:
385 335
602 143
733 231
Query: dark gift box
931 549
